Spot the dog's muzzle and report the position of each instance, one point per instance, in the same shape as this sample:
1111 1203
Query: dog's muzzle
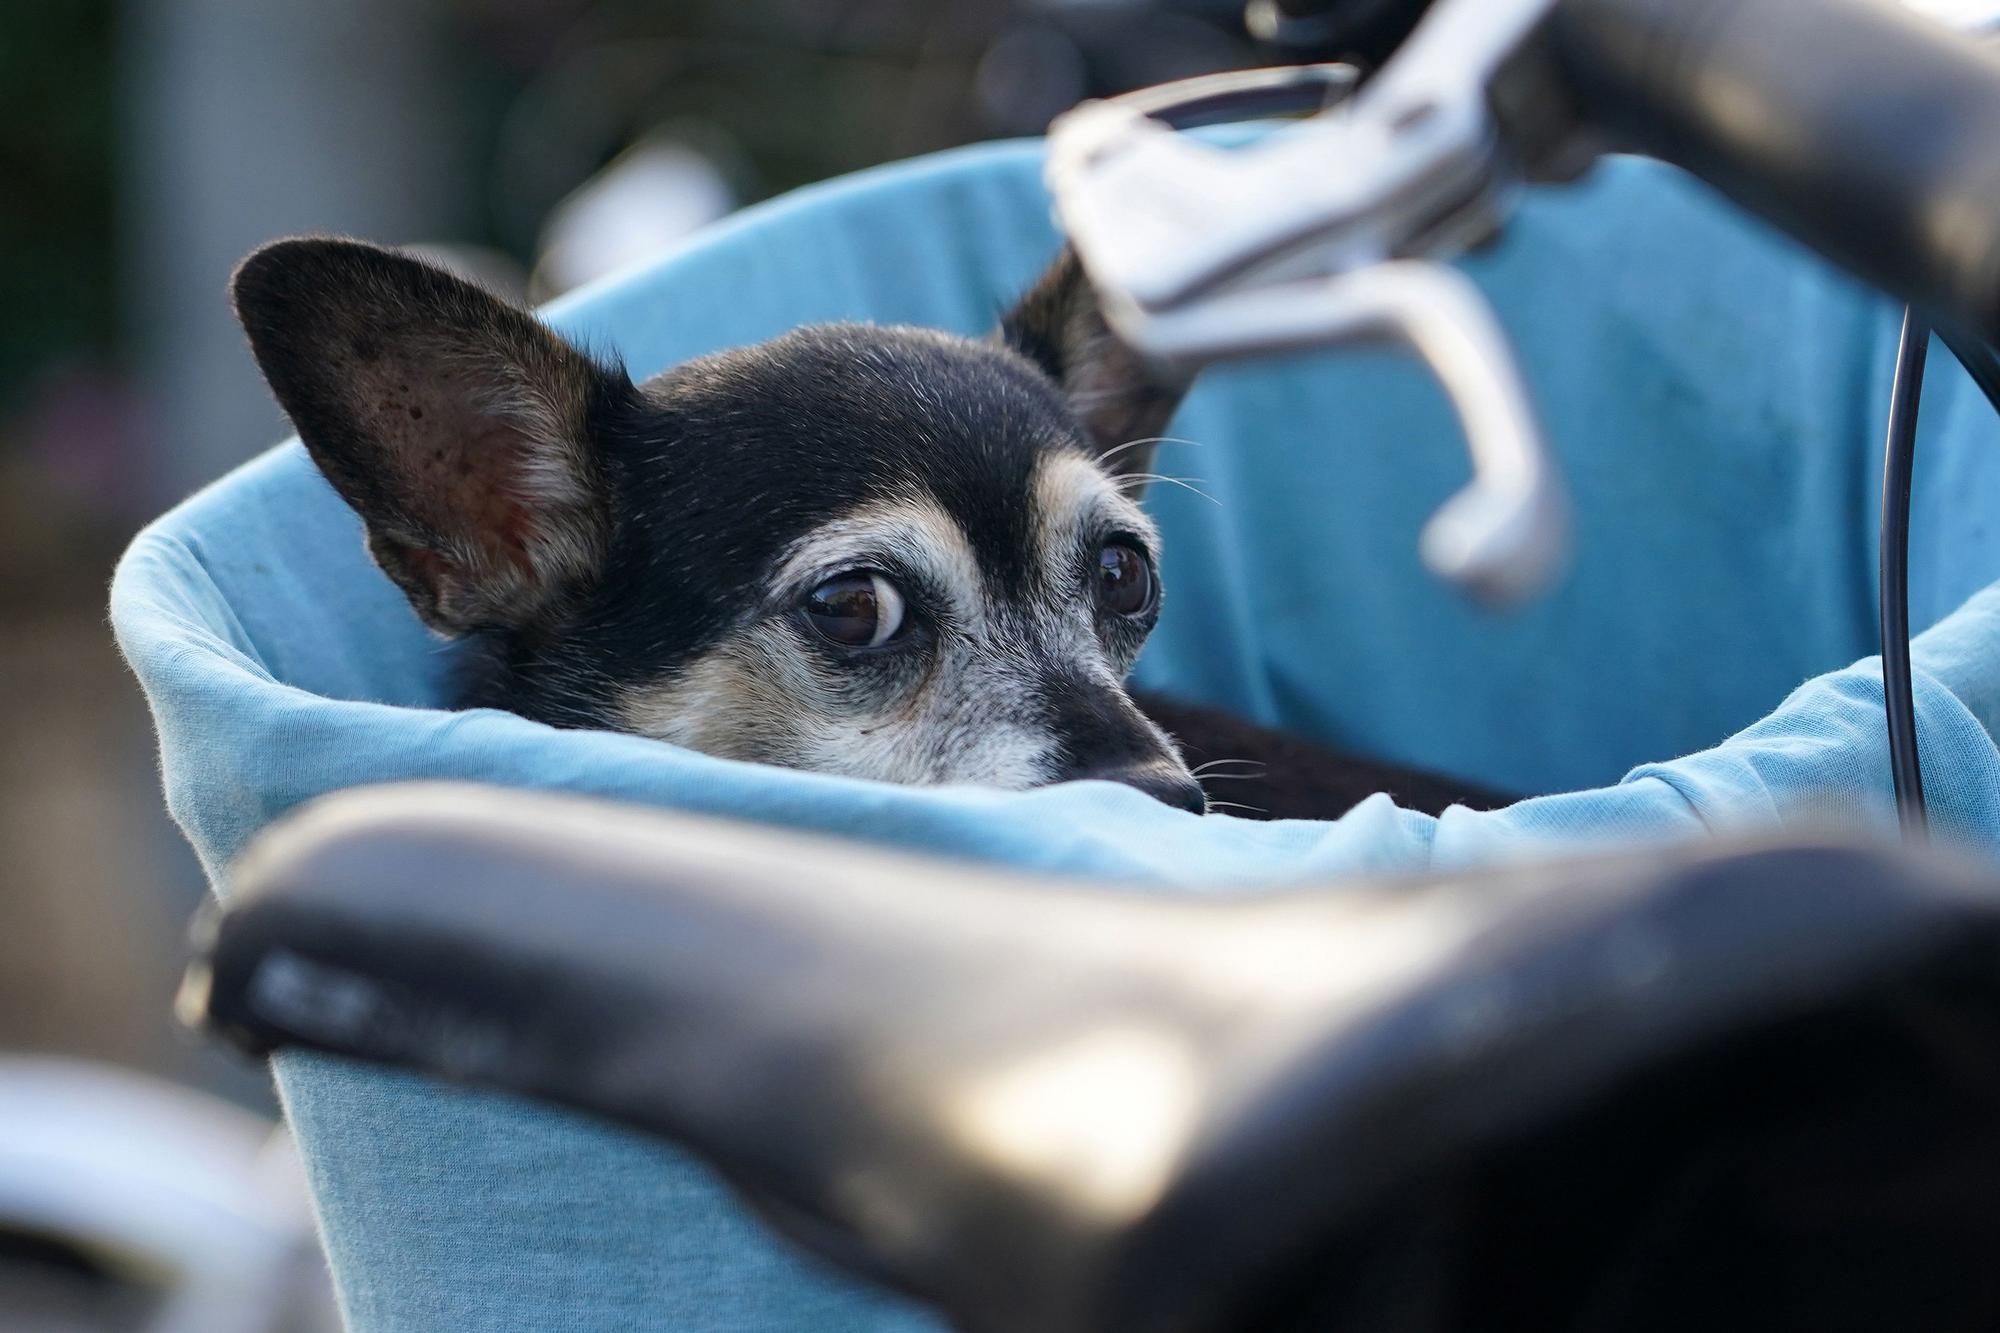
1167 785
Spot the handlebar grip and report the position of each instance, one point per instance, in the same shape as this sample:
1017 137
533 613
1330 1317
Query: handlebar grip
1868 132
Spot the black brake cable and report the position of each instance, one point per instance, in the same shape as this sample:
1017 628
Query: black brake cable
1898 458
1982 364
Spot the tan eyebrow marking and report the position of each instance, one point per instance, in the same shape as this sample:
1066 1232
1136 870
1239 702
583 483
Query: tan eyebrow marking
915 530
1070 488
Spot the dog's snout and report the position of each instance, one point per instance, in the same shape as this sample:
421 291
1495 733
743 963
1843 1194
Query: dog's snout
1106 738
1161 783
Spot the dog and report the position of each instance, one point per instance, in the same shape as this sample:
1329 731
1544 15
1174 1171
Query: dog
885 552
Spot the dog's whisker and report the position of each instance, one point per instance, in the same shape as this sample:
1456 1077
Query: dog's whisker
1190 486
1207 778
1118 449
1162 476
1141 478
1237 805
1201 768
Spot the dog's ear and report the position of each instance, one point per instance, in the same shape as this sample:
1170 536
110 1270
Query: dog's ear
1060 327
456 425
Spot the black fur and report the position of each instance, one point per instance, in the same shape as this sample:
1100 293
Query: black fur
818 421
697 478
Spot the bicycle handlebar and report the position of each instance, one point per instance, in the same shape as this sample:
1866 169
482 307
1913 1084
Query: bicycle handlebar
1866 131
1051 1107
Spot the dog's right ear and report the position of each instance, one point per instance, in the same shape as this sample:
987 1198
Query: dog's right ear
456 425
1122 403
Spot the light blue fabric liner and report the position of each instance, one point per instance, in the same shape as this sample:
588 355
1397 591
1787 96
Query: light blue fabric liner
1718 402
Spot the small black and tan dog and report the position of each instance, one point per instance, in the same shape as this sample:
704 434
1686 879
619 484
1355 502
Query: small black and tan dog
885 552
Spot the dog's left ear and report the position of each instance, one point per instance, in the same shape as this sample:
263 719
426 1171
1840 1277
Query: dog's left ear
1060 327
457 426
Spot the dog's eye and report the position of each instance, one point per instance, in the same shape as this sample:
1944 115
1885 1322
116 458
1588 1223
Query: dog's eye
1124 580
859 610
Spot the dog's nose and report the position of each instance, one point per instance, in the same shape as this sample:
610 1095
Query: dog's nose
1162 784
1104 737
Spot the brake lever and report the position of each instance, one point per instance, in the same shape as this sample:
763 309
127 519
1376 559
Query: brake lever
1332 232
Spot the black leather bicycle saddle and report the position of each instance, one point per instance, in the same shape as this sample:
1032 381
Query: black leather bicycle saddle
1679 1090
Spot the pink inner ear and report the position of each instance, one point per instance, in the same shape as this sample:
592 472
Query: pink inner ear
497 506
465 469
